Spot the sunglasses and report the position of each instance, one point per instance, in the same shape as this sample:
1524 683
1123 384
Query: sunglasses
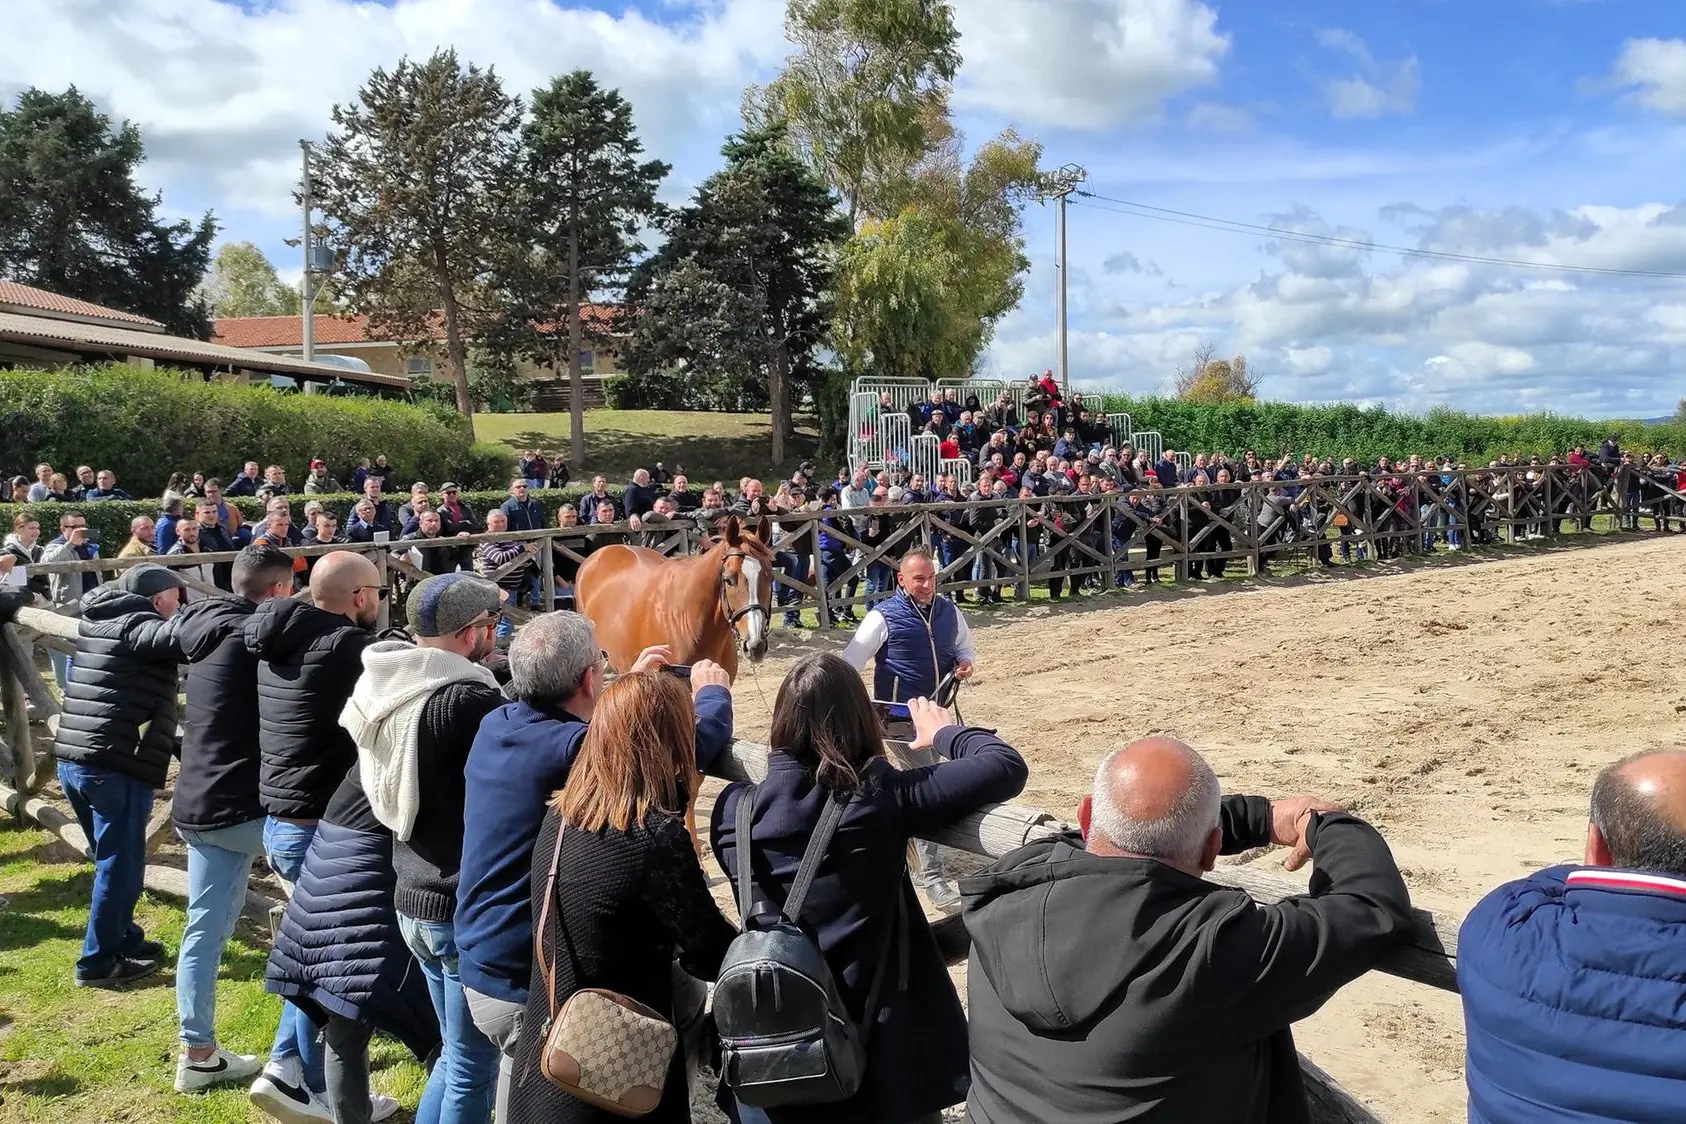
382 592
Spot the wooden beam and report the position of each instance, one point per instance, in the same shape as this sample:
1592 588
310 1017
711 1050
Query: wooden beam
48 816
18 734
1329 1103
16 650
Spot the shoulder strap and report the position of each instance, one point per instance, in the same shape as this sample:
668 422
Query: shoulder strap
740 840
548 971
815 854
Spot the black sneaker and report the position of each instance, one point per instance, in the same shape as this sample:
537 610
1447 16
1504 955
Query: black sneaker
121 974
146 950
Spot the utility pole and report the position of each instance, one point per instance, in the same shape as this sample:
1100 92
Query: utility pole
1065 181
308 304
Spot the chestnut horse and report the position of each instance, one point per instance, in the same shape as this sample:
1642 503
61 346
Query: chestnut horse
709 606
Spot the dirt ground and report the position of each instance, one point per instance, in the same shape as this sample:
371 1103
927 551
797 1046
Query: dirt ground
1461 705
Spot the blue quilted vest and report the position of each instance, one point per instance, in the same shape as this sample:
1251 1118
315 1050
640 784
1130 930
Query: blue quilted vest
917 654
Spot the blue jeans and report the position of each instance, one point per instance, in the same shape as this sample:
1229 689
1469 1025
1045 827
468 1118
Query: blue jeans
112 808
880 579
285 845
464 1080
218 865
61 668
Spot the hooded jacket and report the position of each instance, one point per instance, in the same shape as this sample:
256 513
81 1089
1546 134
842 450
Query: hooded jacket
218 783
120 702
384 718
310 660
1107 989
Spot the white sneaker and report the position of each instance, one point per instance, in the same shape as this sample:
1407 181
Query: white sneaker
281 1093
381 1106
219 1068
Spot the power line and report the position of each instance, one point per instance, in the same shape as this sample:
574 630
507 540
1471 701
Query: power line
1235 226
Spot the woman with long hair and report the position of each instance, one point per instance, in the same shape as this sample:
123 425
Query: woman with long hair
627 892
828 745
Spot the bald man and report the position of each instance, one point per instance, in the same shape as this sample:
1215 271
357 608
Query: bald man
310 656
1108 981
1574 978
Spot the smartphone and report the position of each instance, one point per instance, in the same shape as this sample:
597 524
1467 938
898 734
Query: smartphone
679 670
383 537
893 711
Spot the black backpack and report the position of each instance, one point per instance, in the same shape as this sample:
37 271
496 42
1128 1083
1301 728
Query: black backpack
785 1036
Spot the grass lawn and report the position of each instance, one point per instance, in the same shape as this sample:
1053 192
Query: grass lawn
710 446
71 1056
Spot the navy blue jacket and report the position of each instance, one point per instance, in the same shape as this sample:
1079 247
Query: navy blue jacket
521 756
917 654
525 515
339 950
917 1061
1574 988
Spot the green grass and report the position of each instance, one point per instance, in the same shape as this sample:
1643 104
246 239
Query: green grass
710 446
70 1056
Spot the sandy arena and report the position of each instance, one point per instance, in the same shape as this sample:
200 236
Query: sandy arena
1462 706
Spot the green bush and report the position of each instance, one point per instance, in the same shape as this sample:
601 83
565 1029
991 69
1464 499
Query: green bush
145 425
1344 430
109 519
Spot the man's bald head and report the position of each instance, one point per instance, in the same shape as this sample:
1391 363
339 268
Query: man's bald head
337 579
1157 798
1639 814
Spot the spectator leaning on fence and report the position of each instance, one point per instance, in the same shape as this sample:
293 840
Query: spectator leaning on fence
116 737
1571 978
1108 981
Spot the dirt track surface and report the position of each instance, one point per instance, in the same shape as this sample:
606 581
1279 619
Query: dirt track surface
1462 706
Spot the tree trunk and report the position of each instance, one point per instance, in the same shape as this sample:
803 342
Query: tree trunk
778 394
576 381
456 347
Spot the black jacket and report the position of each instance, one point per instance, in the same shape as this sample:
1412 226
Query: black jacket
427 862
217 540
120 704
1112 989
916 1059
218 784
310 661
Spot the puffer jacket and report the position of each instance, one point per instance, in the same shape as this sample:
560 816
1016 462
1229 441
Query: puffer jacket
338 950
218 783
310 660
1572 993
120 703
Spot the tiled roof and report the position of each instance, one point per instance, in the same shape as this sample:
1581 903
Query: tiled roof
29 300
288 331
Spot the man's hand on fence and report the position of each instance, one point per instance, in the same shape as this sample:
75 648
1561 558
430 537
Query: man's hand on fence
1289 819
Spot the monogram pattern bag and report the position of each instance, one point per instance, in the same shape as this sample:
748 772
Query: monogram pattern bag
605 1048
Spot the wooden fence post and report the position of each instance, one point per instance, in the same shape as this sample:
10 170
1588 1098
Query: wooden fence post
547 576
822 605
383 563
1023 577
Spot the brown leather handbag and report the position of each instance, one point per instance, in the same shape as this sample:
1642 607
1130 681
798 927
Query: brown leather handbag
607 1049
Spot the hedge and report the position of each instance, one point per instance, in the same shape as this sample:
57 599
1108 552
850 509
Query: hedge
146 424
1348 431
109 519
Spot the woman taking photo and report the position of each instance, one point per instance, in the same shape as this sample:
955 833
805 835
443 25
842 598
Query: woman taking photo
626 892
829 744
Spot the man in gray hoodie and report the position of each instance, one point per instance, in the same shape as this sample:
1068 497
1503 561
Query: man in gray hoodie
1109 981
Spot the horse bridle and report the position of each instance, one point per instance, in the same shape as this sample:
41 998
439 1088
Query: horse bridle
754 605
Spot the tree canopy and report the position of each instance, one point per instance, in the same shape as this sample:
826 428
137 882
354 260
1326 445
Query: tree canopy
73 220
243 282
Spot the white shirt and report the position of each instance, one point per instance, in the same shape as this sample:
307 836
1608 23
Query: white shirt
874 630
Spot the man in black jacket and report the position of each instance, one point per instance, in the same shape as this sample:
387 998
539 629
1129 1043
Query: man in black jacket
1186 1015
309 658
216 809
116 737
414 714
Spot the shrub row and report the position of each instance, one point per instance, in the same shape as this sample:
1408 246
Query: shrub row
1349 431
146 424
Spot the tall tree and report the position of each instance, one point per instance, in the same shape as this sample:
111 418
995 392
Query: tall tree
73 221
416 189
744 277
585 196
860 92
243 282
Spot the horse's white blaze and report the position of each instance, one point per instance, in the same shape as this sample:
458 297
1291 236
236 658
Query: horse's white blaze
757 620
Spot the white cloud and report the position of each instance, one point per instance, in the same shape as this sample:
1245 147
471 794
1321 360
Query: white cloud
1655 70
1377 88
1219 118
1085 64
222 94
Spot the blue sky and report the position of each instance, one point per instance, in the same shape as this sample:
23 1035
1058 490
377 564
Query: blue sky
1550 131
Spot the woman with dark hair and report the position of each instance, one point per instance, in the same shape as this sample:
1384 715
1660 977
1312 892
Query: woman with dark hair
617 887
829 745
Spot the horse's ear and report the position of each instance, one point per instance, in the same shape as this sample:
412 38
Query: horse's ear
764 529
734 532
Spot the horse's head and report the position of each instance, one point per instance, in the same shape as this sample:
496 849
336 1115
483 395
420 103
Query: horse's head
746 583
